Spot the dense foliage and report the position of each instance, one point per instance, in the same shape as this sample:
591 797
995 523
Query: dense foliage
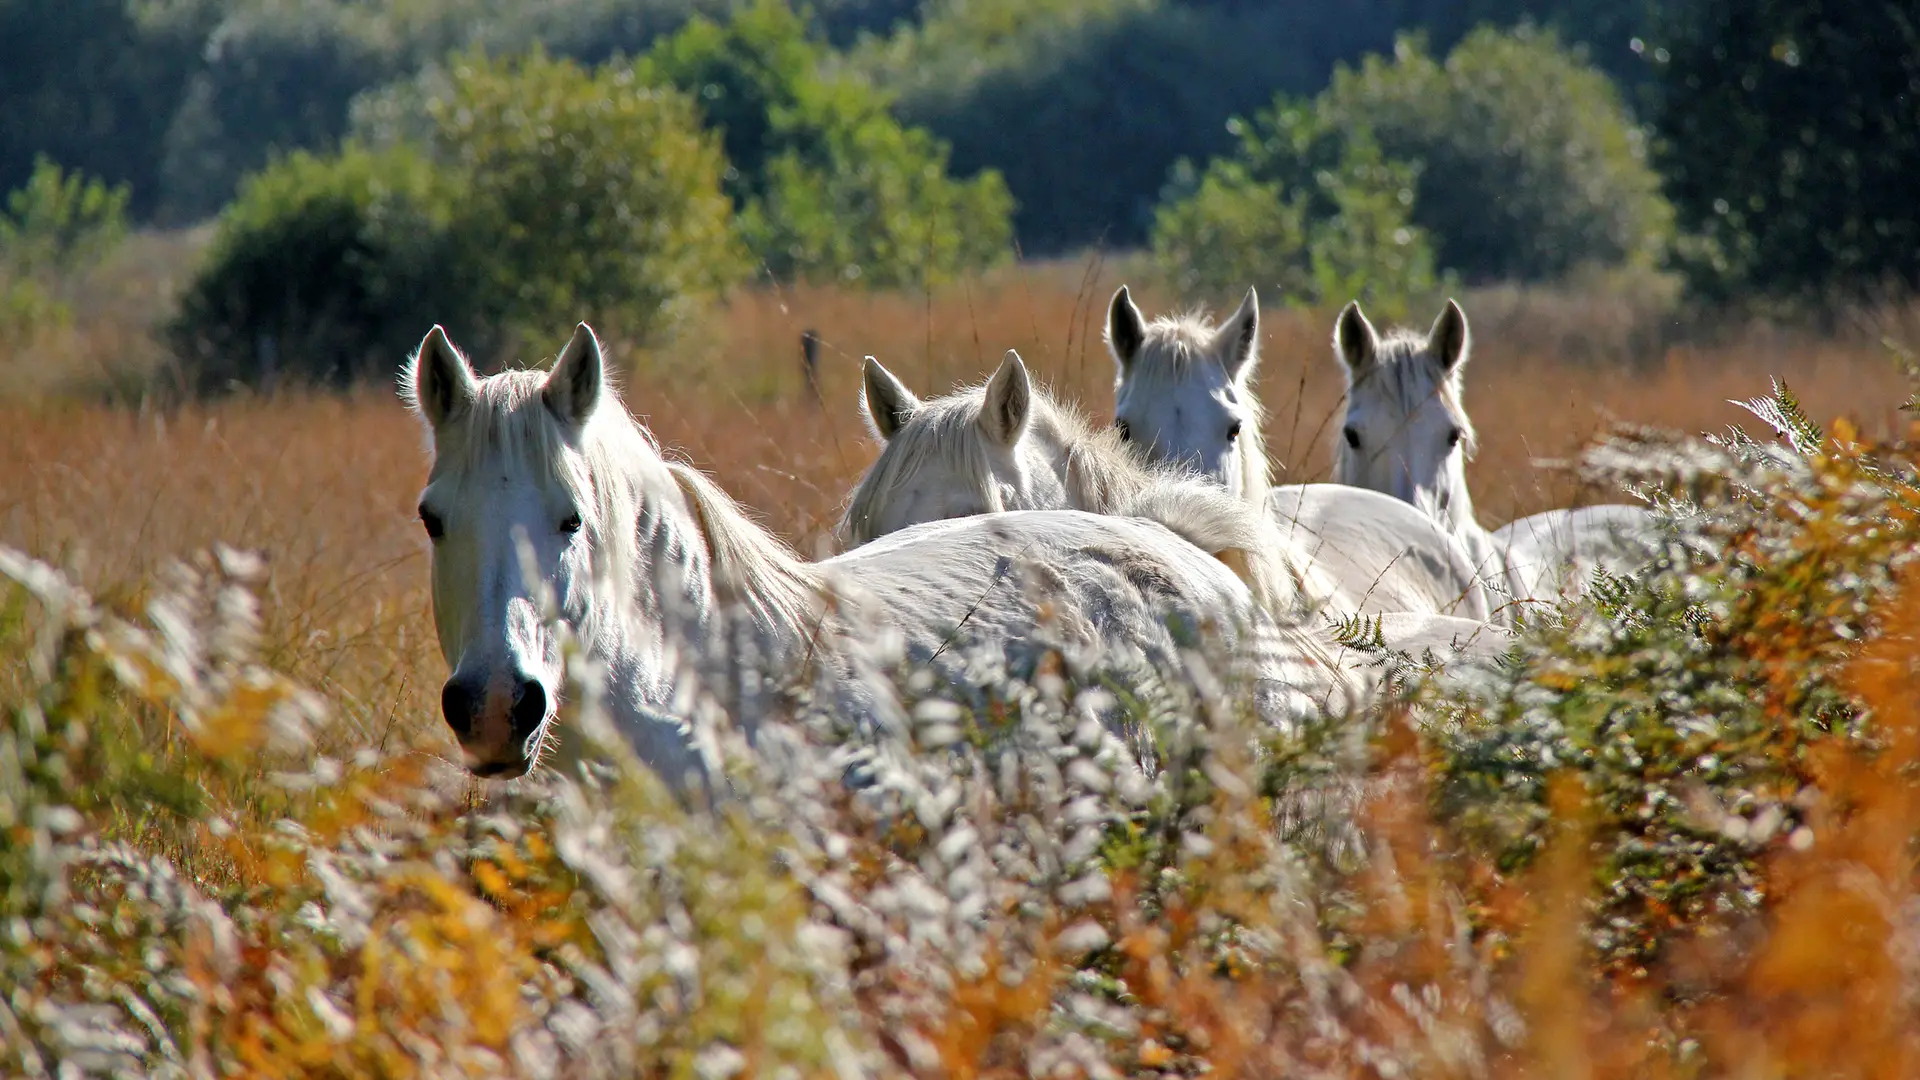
319 272
1785 127
282 76
1705 782
58 225
94 85
545 193
1510 161
582 195
1084 106
1790 136
1697 701
180 99
1317 215
1530 164
829 184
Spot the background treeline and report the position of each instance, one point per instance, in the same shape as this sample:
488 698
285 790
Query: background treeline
1082 104
508 164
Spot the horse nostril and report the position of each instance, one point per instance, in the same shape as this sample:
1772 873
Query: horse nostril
456 704
529 708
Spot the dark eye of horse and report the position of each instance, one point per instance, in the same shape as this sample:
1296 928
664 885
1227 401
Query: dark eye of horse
1353 438
571 524
1126 432
431 521
1234 431
1453 437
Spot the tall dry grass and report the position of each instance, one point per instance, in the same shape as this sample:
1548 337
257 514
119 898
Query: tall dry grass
325 485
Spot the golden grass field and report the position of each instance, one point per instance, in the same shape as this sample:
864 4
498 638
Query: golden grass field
324 485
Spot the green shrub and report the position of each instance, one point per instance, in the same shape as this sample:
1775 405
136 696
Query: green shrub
1319 214
547 193
324 269
284 76
56 225
1531 165
583 195
59 222
1698 701
828 183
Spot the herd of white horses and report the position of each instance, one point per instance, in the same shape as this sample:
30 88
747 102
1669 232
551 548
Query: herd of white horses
995 522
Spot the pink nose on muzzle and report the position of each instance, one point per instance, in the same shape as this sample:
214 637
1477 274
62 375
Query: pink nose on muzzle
465 706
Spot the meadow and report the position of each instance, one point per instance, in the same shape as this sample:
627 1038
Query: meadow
114 489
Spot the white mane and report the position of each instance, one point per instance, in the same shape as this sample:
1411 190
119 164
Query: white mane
1097 472
1404 403
1163 358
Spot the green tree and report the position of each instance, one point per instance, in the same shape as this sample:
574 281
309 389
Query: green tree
1531 164
61 221
882 210
1606 29
1790 139
277 78
828 183
323 269
1320 215
584 195
94 84
1084 105
56 225
539 193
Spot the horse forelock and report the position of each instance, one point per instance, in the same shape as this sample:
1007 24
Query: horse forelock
942 433
1405 375
1177 345
607 467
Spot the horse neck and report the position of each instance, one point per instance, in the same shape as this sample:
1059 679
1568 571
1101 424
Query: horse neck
1096 470
746 567
1458 515
1250 453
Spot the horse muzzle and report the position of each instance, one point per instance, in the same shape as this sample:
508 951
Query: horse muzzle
496 724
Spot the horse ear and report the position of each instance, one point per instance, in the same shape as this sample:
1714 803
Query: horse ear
1126 328
888 402
1009 400
438 382
1449 339
578 378
1237 343
1354 338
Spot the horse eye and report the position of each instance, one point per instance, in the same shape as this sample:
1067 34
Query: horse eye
1234 431
571 524
1353 438
434 526
1453 437
1126 432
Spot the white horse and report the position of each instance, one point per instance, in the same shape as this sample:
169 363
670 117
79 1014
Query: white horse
1407 434
1009 445
1183 393
546 504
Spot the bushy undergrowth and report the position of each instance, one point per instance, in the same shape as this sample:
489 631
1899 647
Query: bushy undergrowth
1721 747
1511 160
